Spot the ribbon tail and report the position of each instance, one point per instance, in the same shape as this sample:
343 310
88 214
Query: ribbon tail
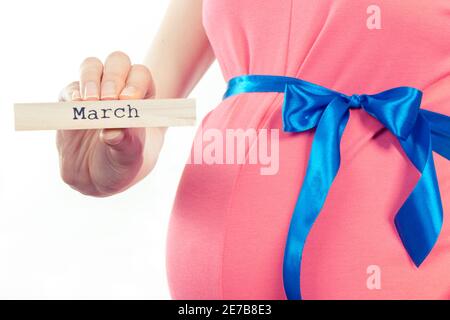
419 220
323 165
440 132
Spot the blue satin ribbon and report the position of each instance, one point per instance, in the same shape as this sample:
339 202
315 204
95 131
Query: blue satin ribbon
307 106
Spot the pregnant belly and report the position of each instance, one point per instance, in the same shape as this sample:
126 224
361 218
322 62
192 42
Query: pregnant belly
221 228
229 222
227 232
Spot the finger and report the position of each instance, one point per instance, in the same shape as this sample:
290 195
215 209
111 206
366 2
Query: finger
112 137
115 73
70 93
90 75
76 96
139 83
125 144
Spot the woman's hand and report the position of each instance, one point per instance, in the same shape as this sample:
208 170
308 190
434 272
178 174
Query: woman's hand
105 162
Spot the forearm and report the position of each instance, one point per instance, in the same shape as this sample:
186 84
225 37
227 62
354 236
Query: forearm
180 53
177 61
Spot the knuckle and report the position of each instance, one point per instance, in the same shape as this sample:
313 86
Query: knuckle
67 90
141 68
119 55
142 78
91 62
75 85
90 74
114 76
143 71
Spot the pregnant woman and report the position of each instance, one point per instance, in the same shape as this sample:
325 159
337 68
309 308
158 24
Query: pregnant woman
237 234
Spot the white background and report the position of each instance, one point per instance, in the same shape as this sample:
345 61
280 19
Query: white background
54 242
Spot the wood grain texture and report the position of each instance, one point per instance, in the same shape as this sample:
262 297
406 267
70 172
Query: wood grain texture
73 115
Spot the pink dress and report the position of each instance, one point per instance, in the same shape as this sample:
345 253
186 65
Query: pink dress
229 223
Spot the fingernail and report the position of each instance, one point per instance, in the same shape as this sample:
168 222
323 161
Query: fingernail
129 91
109 90
91 90
76 95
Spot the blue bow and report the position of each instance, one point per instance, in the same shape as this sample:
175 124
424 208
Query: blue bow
307 106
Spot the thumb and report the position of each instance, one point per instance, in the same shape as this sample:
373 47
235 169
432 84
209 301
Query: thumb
125 145
112 137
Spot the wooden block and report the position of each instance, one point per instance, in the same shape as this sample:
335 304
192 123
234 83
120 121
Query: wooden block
104 114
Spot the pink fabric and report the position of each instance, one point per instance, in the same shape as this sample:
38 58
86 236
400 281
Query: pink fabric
229 223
